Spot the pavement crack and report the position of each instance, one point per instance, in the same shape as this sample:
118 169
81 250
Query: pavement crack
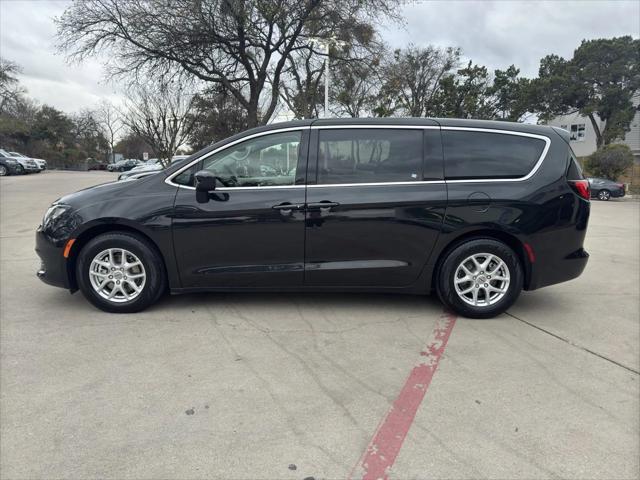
566 340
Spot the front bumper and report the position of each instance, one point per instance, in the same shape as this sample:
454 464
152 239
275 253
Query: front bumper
12 168
53 268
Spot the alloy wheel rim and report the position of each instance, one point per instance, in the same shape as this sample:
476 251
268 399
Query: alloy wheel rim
117 275
482 279
603 195
3 170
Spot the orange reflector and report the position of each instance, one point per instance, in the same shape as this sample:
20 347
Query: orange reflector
67 247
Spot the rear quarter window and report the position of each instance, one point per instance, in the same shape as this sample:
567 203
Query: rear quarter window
478 155
574 171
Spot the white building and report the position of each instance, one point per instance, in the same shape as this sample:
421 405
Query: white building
583 136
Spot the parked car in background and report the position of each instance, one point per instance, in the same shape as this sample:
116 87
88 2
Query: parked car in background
42 164
97 166
473 211
137 176
153 165
604 189
25 165
123 165
9 166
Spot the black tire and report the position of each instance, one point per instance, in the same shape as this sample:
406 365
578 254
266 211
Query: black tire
4 171
604 195
156 278
446 275
20 170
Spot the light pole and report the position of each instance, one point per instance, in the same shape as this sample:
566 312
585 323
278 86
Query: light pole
326 43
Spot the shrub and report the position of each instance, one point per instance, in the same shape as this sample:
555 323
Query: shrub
609 161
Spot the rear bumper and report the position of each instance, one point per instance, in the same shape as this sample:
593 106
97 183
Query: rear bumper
53 267
557 271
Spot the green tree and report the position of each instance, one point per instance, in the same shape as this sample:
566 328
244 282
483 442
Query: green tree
467 94
133 146
215 115
511 94
599 81
610 161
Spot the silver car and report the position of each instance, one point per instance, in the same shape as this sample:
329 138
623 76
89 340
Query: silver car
42 164
26 165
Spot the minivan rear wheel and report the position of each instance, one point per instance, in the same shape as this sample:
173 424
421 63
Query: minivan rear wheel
120 273
480 278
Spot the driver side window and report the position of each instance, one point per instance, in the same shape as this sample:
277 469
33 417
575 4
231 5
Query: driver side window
268 160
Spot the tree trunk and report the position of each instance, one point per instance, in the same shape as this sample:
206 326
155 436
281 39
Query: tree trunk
596 129
252 116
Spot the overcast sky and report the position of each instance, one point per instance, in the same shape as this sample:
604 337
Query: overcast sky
492 33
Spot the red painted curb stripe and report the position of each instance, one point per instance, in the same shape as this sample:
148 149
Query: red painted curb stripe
387 441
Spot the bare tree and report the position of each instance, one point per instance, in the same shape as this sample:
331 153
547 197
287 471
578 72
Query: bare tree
412 79
242 45
110 122
301 89
10 89
356 48
355 86
158 113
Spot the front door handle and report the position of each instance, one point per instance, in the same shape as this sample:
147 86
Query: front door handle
286 207
325 204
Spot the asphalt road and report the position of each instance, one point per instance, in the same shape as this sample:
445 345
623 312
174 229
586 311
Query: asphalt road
292 386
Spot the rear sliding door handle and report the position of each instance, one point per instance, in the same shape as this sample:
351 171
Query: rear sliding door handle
325 204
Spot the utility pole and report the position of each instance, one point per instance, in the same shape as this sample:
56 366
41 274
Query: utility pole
326 43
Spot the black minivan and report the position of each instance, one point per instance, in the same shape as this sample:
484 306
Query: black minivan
475 211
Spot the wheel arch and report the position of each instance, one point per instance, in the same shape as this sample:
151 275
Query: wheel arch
508 239
98 229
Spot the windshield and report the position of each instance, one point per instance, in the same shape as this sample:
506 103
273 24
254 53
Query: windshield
4 153
16 154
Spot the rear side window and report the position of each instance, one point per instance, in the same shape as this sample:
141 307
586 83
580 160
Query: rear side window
574 171
478 155
369 155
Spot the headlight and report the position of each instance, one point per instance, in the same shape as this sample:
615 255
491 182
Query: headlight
52 214
10 161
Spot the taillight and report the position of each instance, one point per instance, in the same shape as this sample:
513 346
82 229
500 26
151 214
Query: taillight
581 187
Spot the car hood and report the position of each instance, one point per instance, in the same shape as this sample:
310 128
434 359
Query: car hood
97 193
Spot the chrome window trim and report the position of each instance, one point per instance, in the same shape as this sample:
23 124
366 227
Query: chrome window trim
533 171
387 127
374 184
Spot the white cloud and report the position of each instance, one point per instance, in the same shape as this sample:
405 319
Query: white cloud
493 33
500 33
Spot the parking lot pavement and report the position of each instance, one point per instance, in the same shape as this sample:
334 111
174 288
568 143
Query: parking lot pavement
296 385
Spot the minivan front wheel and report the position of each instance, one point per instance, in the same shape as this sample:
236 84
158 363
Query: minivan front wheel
480 278
120 272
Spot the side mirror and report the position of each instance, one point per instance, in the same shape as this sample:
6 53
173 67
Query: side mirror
205 181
